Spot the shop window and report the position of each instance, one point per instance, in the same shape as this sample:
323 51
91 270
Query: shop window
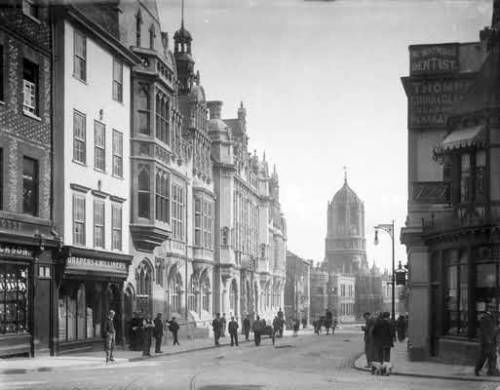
14 299
76 315
80 56
162 196
144 193
99 228
457 306
117 153
143 110
78 219
30 87
99 146
117 80
116 226
30 186
79 137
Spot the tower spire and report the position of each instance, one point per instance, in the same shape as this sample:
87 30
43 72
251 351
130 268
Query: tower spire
345 174
182 13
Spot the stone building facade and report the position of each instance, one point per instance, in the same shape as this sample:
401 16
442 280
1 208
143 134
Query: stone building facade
28 244
297 289
450 234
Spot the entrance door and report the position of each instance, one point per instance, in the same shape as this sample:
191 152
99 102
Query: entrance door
43 311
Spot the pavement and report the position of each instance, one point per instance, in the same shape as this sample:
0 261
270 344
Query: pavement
96 358
401 365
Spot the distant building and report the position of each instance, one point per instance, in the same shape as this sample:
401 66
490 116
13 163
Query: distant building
297 289
351 287
451 232
319 292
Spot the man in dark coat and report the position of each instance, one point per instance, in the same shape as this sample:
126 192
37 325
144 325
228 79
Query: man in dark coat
328 321
487 342
109 336
233 331
147 326
158 332
258 326
216 326
135 337
246 327
173 327
223 325
367 329
383 340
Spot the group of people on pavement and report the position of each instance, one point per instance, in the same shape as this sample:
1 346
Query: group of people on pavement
379 336
142 331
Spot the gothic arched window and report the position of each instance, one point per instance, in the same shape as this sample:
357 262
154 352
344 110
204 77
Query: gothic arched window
205 293
162 206
144 193
193 294
175 292
138 24
143 111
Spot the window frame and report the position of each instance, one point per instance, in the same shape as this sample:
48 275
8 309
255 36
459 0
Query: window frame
117 80
35 209
116 226
99 223
117 153
2 72
31 88
144 194
99 149
80 222
162 196
80 58
80 139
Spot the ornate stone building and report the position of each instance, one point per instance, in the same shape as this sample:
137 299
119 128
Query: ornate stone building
349 289
250 228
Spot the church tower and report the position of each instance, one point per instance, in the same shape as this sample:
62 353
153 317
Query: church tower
345 244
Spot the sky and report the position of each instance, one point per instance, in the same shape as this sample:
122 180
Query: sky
321 84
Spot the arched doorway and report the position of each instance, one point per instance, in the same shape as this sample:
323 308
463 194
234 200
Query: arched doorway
175 292
144 283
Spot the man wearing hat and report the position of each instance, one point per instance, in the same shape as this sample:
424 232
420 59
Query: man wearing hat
487 341
109 336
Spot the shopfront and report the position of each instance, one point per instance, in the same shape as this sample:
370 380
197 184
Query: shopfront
92 285
26 291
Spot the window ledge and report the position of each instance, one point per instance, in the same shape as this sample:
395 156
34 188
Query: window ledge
36 20
79 79
103 171
2 103
79 163
32 116
118 177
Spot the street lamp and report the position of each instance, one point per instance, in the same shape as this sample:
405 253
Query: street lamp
389 229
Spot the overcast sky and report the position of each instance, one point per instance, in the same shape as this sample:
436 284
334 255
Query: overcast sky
321 83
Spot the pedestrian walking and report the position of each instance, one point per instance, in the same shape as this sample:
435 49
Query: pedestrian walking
401 328
304 322
257 329
296 327
216 327
173 327
246 327
109 336
158 332
233 331
383 341
134 334
367 329
328 320
147 327
487 342
223 325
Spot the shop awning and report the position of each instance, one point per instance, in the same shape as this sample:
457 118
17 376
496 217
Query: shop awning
463 138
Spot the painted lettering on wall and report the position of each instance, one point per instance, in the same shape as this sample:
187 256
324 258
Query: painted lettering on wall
10 250
430 101
433 59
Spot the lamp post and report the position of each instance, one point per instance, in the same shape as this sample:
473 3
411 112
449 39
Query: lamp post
389 229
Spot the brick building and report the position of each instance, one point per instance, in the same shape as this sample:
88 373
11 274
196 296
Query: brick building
28 244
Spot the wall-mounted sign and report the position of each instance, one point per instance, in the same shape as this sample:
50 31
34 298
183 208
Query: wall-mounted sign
90 264
433 59
430 101
13 251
